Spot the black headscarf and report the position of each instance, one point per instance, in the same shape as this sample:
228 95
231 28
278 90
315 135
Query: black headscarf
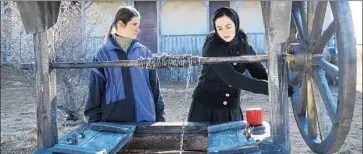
232 14
240 38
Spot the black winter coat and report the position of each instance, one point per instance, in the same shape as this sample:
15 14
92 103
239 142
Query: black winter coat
220 84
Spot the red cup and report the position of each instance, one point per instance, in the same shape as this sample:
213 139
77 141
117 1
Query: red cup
254 116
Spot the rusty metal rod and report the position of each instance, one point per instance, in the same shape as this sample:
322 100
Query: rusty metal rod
175 61
120 63
235 59
178 61
161 62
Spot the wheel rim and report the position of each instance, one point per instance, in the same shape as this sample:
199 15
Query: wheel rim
308 114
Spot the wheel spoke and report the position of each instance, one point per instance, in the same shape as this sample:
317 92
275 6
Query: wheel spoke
310 14
318 20
296 78
299 21
303 12
303 98
320 112
326 94
327 35
330 68
312 131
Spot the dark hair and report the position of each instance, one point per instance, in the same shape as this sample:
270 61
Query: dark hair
124 14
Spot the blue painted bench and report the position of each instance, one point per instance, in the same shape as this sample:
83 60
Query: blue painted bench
103 137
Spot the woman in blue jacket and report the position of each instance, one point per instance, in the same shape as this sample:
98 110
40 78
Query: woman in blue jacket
124 94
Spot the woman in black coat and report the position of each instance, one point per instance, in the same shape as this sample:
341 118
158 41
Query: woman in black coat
216 97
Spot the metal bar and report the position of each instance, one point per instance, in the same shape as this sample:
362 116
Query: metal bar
237 59
120 63
177 61
149 62
27 66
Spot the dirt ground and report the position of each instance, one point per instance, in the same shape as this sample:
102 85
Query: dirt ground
18 114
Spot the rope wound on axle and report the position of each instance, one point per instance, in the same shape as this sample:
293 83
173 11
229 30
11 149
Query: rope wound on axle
169 61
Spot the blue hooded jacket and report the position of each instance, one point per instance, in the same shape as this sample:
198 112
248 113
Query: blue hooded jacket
123 94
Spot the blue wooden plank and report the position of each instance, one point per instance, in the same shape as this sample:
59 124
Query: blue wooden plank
101 137
113 136
43 151
111 142
88 134
112 127
66 146
227 126
84 128
230 138
74 149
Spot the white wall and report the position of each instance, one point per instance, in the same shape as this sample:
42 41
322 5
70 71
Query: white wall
250 14
356 8
328 17
180 17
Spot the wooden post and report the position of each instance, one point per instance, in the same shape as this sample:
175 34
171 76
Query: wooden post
83 25
276 16
206 5
45 89
5 56
159 7
237 6
158 25
84 6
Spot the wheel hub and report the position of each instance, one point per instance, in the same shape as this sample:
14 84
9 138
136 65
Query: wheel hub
300 60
